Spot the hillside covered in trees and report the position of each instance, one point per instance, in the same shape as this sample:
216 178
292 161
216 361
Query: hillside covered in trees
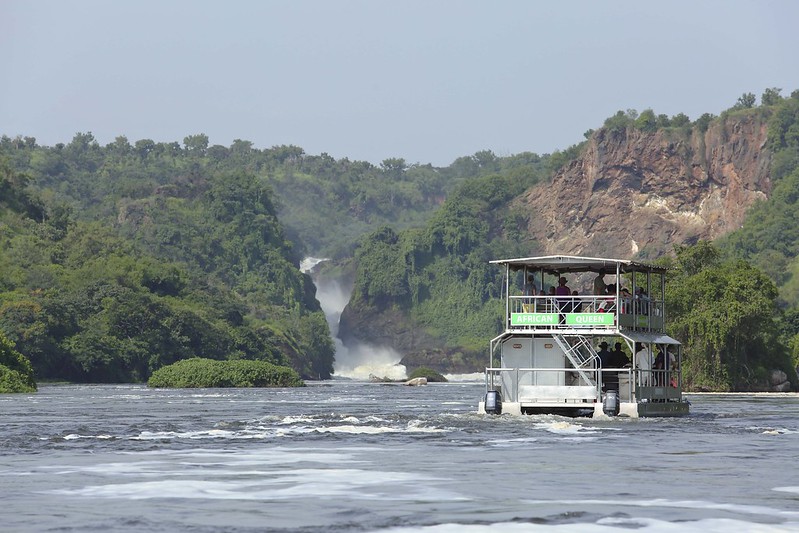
120 259
117 260
115 263
434 282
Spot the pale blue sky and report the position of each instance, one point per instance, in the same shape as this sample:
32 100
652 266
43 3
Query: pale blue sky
423 80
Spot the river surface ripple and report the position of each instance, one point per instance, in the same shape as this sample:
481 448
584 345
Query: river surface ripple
351 456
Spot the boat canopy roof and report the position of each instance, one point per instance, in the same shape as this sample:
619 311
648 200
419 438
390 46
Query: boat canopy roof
648 338
560 264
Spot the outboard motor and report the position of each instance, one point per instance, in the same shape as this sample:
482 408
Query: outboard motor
493 403
610 405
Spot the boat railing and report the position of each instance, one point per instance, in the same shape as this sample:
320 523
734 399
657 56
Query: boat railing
658 385
583 312
544 384
567 385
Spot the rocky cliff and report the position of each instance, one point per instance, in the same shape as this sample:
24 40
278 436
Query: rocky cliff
636 194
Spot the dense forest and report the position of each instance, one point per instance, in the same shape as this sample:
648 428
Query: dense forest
120 259
117 260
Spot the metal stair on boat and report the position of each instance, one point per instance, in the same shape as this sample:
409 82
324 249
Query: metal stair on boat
580 352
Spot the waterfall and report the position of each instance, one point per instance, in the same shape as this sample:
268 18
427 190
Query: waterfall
360 361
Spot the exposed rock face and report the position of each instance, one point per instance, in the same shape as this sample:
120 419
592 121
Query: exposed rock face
636 194
392 327
381 327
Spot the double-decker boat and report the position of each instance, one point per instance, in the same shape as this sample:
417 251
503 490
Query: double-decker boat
549 354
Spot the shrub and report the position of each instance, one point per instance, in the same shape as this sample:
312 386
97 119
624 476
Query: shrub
431 375
208 373
16 372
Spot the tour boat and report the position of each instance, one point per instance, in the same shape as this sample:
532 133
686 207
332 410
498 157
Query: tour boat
551 355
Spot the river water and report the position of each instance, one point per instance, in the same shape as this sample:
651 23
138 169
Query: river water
359 456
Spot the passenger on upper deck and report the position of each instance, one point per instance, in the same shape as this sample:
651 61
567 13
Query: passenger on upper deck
608 305
529 286
562 289
563 292
550 304
642 301
599 283
577 304
625 300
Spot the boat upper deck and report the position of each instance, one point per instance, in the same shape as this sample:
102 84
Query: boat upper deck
606 296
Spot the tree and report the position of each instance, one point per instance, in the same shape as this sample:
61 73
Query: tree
724 312
144 147
196 144
618 122
703 123
746 101
771 96
647 121
16 372
394 167
679 120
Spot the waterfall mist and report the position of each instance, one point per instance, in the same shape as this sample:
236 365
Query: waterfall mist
360 361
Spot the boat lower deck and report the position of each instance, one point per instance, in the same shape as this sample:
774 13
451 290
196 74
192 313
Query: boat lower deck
593 409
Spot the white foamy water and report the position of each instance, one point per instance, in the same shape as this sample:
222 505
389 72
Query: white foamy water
355 456
365 360
475 377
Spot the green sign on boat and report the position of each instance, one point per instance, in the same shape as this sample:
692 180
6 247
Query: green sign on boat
572 319
533 319
590 319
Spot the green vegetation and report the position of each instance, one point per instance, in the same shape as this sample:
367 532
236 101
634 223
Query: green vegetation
725 312
439 275
207 373
16 372
116 261
648 122
769 238
428 373
119 260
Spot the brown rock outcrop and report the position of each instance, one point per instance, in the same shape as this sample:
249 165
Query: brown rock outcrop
636 194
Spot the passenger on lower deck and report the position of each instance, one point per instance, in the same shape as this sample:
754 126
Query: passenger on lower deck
610 380
663 366
619 359
643 362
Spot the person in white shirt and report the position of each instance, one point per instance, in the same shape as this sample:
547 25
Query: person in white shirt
643 362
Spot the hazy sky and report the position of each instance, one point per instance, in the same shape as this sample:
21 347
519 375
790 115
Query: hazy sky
425 80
